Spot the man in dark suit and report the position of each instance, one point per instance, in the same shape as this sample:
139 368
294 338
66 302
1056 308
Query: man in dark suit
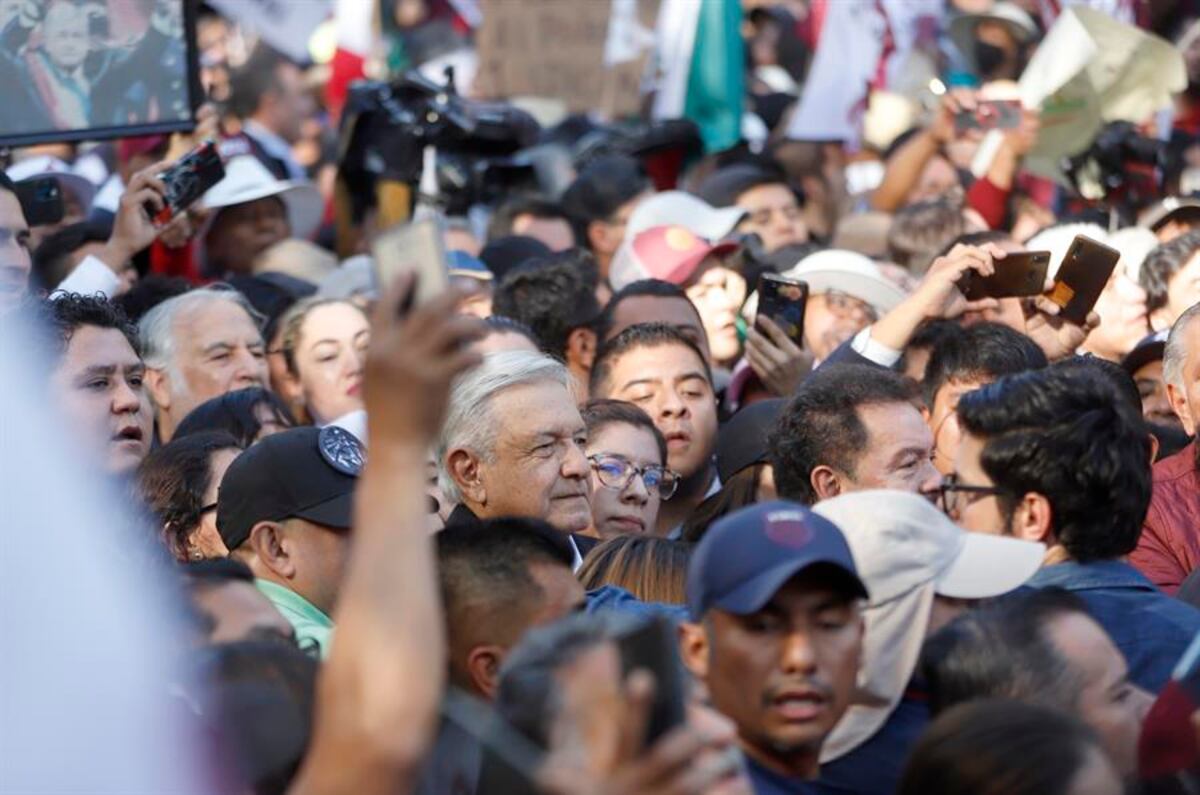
513 444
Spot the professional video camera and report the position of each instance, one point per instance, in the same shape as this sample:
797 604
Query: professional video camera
387 127
1122 167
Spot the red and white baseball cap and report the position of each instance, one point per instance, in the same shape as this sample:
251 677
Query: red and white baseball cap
669 253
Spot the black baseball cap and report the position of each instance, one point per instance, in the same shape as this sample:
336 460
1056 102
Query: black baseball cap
301 473
1149 349
742 441
747 556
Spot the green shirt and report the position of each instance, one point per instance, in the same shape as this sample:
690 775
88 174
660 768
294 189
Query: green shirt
311 625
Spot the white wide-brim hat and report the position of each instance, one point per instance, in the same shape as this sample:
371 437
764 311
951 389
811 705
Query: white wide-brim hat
247 180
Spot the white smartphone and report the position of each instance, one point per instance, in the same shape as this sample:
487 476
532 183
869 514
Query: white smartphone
414 247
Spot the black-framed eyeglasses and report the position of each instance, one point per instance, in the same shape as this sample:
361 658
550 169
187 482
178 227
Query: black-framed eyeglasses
615 472
954 496
208 508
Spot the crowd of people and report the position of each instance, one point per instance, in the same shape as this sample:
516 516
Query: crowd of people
583 520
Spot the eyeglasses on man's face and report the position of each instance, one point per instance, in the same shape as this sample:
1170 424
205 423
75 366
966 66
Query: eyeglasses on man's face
615 472
954 496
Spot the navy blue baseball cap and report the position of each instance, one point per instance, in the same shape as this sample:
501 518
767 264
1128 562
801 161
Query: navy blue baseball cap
747 556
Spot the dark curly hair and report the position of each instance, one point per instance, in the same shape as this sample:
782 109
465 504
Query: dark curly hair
1071 436
822 426
553 296
68 311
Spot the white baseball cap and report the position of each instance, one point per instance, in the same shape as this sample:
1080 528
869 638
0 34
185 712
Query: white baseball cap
907 552
247 180
676 208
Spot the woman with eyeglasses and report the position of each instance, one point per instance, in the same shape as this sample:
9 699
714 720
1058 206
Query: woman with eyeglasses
628 458
178 484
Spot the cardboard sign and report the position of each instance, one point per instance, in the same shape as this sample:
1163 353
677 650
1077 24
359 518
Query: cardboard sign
556 49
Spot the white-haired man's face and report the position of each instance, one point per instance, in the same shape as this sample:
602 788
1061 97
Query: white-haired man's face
218 349
1184 390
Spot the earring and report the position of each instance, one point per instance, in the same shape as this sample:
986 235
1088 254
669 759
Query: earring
196 555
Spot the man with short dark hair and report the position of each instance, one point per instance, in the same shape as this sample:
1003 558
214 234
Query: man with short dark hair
532 217
658 368
284 509
852 427
499 578
652 301
776 633
774 210
553 299
1170 274
98 380
600 201
964 360
1061 457
268 94
1040 647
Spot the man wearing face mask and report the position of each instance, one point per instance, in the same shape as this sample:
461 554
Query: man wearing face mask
997 43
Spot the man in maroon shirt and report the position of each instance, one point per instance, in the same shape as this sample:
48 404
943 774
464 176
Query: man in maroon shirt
1169 548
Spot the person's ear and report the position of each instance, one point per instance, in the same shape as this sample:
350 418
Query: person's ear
1179 404
1154 448
272 549
581 349
483 669
693 648
466 470
825 482
1033 519
1160 319
158 384
600 237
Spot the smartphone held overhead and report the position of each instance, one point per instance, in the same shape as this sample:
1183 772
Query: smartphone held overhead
1082 276
783 300
187 180
415 247
1018 275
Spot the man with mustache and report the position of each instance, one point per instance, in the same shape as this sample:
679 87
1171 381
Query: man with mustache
776 633
513 444
657 367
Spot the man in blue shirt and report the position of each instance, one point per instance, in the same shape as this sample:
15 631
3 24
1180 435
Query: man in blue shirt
1062 456
775 635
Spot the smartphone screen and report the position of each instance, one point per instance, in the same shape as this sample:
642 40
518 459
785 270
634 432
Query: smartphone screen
413 247
783 300
1018 275
1081 278
997 114
187 180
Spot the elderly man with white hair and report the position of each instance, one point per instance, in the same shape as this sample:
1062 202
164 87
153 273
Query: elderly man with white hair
1169 547
513 444
197 346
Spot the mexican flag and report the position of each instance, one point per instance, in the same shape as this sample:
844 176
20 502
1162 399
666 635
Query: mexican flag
700 67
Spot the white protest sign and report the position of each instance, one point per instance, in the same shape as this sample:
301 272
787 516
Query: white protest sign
286 25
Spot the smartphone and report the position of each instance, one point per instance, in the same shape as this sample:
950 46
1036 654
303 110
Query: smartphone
41 200
1018 275
996 114
415 247
654 646
187 180
1081 278
783 300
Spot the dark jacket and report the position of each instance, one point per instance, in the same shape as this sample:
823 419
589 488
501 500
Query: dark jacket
1169 549
1150 628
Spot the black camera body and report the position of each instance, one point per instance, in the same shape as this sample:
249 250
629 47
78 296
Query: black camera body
386 128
